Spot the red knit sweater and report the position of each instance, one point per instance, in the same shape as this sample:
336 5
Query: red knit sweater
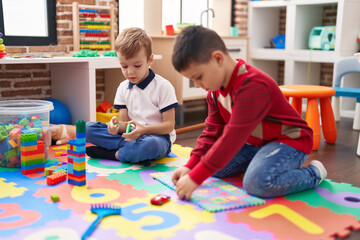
250 110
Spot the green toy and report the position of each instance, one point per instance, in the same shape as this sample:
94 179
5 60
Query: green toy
110 54
86 53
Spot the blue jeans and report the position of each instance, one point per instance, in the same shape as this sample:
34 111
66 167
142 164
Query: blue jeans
147 147
272 170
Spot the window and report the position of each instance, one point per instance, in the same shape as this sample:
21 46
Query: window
186 11
28 23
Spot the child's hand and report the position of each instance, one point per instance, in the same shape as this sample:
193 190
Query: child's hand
185 187
114 125
136 133
178 173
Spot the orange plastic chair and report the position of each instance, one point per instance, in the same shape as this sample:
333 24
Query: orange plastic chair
313 93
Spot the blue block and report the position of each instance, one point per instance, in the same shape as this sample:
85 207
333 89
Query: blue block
26 131
27 144
81 141
32 166
70 168
73 182
80 135
81 151
79 173
37 124
78 159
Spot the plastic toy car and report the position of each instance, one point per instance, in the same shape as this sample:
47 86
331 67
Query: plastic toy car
160 199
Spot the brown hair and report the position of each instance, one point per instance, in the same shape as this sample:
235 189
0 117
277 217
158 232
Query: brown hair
131 41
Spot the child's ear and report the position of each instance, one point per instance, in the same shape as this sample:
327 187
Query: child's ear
151 59
218 56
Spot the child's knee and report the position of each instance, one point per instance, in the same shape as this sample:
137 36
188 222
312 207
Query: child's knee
256 186
142 149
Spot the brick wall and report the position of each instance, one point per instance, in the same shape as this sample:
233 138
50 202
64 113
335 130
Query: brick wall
326 74
241 16
32 81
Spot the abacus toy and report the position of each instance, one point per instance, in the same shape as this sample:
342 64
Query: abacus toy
2 47
93 27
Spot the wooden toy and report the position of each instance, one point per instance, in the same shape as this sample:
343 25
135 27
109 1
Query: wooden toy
93 27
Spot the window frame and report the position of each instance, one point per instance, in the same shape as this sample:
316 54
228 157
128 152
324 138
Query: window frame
51 39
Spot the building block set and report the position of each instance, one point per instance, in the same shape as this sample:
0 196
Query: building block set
76 156
33 158
32 154
19 117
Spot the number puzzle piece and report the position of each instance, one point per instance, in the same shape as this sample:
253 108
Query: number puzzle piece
9 211
294 220
289 214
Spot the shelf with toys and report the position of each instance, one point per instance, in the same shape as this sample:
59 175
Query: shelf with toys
317 33
300 17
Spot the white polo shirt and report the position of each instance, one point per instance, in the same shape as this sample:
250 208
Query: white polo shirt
147 100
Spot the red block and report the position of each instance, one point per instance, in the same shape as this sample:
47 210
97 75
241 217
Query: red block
40 149
56 178
103 106
35 170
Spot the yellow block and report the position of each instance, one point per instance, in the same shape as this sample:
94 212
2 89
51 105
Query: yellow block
78 167
57 154
32 157
28 148
105 117
12 143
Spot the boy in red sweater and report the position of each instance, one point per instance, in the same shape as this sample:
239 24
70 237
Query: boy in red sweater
250 126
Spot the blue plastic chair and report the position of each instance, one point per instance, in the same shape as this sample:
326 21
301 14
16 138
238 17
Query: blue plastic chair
342 67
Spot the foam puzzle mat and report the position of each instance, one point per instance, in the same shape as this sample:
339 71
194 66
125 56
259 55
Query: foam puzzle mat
214 194
329 211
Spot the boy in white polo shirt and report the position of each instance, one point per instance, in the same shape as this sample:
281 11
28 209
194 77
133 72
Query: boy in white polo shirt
144 99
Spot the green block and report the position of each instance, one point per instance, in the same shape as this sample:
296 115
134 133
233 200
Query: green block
3 133
80 126
37 130
31 162
55 197
47 169
29 137
10 153
9 128
24 122
60 170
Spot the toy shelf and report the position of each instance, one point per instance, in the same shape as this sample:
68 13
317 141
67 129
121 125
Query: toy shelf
93 27
300 64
